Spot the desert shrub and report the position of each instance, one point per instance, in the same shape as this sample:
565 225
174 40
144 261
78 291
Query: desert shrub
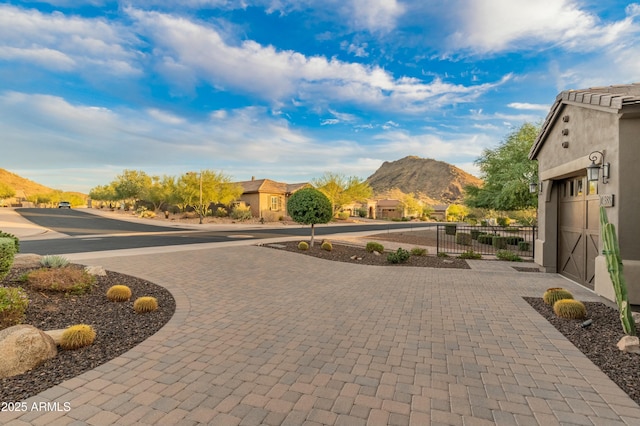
67 280
513 241
463 238
475 233
13 304
326 245
362 213
119 293
54 261
343 215
15 239
523 246
508 256
145 304
399 256
470 255
417 251
552 295
221 212
148 214
77 336
450 229
241 213
499 243
442 254
373 246
503 221
7 254
303 245
570 309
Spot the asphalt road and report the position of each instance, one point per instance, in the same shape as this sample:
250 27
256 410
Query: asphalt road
89 232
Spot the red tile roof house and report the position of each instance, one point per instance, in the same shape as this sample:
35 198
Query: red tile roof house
268 198
600 127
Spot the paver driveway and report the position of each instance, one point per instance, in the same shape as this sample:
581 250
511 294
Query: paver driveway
263 336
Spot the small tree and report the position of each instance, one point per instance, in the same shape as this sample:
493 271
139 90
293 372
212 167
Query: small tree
341 190
310 206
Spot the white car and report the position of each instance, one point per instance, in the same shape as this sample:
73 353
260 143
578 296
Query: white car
64 205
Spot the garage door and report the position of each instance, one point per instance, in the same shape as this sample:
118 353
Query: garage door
578 229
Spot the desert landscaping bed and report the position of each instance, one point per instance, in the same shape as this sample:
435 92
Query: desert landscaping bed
118 328
598 342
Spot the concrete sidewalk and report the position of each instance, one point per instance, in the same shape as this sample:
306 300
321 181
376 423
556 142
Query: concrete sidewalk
263 336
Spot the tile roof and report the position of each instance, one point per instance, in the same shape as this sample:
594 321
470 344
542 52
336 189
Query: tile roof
614 98
268 185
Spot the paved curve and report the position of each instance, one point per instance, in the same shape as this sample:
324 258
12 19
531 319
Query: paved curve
264 336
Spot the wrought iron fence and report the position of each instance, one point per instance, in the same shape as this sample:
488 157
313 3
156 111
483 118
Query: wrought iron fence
486 240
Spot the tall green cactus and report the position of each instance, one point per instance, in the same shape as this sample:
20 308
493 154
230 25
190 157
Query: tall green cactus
611 252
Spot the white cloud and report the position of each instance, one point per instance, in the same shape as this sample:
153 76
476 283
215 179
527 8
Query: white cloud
499 25
65 43
528 106
275 75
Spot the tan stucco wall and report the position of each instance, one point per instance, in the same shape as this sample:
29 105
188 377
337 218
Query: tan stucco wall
594 130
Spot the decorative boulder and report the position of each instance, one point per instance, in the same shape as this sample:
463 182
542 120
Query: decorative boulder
23 347
95 270
56 335
629 344
26 260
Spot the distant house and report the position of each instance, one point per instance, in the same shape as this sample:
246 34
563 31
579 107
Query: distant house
354 208
590 128
440 212
267 198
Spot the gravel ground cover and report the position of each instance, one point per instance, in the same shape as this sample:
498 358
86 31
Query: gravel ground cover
118 328
598 342
345 253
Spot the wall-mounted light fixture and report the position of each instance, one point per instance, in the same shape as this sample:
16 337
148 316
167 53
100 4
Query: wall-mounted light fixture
533 187
593 170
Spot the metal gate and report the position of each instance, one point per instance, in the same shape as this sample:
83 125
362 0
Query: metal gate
578 229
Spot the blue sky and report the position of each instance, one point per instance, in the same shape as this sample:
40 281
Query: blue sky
288 89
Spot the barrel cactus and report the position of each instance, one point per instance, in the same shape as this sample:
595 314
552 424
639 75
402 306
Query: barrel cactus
145 304
77 336
303 245
570 309
119 293
552 295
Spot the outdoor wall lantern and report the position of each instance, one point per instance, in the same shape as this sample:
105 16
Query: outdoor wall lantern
533 187
593 170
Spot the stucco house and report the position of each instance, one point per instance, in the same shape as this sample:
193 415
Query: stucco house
268 198
597 127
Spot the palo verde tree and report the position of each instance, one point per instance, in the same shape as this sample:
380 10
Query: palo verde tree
310 206
200 189
341 189
507 172
132 185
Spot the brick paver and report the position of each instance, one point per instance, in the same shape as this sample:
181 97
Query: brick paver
262 336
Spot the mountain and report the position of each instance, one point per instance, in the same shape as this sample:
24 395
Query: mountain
431 180
22 185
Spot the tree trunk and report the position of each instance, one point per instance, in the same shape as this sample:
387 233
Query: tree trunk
312 233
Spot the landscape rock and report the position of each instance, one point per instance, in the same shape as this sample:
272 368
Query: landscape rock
376 253
96 270
636 317
23 347
56 335
630 344
26 260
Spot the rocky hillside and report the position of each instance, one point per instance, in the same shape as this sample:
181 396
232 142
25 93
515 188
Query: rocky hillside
22 185
429 179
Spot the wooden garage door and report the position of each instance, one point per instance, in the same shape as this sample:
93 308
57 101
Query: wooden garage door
578 229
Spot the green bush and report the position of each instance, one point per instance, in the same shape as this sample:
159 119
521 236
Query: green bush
470 255
417 251
373 246
463 238
399 256
362 213
513 241
485 238
499 243
508 255
241 213
450 229
442 254
13 237
503 221
54 261
343 215
523 246
7 254
13 304
475 233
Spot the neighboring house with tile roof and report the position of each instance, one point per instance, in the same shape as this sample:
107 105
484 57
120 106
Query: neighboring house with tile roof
601 126
268 198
